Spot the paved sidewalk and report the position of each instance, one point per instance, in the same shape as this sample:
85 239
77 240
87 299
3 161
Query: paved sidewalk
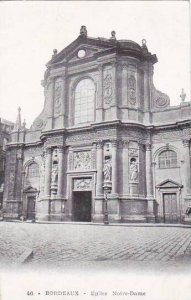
59 245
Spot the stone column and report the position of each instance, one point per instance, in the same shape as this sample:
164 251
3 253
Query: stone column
114 167
114 95
99 186
125 160
99 108
146 88
186 144
149 183
60 170
48 164
124 85
50 103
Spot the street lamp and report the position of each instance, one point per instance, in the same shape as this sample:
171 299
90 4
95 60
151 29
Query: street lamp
107 190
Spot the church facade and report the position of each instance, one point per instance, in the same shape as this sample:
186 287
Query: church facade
104 124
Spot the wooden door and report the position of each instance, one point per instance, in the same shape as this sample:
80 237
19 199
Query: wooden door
31 208
82 204
170 208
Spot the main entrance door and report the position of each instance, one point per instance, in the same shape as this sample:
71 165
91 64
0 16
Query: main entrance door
82 206
31 207
170 208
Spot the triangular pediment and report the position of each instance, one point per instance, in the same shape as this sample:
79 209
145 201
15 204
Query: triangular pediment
90 46
30 189
168 183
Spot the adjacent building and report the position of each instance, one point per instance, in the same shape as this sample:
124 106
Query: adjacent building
5 129
104 124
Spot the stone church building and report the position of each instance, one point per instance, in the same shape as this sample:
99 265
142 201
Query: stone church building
103 124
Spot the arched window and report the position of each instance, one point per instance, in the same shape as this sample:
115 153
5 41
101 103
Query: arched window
167 159
84 102
33 170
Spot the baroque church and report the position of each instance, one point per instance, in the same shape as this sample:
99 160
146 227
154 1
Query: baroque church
105 132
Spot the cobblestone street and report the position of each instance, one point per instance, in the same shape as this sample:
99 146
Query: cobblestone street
59 245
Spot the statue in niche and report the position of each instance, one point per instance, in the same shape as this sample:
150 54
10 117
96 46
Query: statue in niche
107 169
54 173
133 169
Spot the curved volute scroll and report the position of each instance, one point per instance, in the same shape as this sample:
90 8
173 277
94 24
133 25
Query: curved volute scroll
160 100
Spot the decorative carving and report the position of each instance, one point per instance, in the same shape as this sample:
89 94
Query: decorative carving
160 99
186 143
132 89
82 184
54 173
107 169
107 88
55 155
133 170
42 173
70 159
133 152
94 156
82 160
38 124
57 96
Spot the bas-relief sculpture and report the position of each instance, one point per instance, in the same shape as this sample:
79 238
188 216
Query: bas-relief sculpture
107 169
58 96
82 160
133 173
127 110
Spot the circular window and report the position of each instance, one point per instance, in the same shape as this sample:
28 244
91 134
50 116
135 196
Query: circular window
81 53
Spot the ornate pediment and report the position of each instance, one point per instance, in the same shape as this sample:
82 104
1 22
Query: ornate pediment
168 183
82 47
30 189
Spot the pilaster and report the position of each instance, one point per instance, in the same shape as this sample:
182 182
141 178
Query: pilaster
99 186
187 171
99 108
125 160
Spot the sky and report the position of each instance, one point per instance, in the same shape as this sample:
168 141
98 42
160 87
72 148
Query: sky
30 30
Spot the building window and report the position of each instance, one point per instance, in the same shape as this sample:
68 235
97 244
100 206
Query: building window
33 170
167 159
84 102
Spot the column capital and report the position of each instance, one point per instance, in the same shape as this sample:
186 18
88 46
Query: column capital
114 143
148 147
186 142
48 149
60 149
125 144
124 66
99 144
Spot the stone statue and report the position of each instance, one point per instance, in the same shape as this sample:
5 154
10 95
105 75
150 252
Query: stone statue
54 173
133 170
107 170
188 211
83 31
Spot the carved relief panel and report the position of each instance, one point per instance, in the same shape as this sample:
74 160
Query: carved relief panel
82 184
107 85
82 160
132 86
58 92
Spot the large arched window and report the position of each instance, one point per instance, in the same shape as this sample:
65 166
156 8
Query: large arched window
84 101
167 159
32 175
33 170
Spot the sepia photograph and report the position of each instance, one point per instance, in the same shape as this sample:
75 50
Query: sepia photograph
95 150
